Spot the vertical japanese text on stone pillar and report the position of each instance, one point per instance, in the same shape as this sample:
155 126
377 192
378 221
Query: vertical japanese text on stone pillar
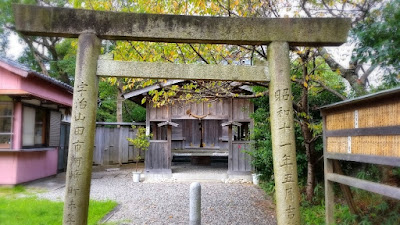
77 147
285 146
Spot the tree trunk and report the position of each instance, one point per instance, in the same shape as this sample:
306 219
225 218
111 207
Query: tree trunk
310 149
309 142
310 181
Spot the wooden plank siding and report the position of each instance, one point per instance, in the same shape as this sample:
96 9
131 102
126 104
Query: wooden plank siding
239 161
111 146
213 110
188 134
242 109
158 157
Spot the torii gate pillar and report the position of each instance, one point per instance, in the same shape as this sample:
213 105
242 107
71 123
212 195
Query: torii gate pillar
83 127
283 140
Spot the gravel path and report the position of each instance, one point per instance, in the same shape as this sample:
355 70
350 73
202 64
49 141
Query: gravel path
167 203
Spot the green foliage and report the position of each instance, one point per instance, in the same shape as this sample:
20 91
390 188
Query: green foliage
133 112
7 20
396 172
141 142
66 50
344 216
262 144
106 111
28 60
268 187
312 214
376 209
371 172
379 40
52 52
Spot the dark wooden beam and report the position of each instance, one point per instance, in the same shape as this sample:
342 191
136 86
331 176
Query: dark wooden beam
167 123
370 131
68 22
121 123
230 123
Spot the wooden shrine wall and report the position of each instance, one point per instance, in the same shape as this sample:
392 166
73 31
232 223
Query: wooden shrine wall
219 109
158 157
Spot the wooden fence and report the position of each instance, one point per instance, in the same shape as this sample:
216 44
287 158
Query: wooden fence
111 146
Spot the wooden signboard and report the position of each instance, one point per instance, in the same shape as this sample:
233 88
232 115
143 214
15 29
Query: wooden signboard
367 130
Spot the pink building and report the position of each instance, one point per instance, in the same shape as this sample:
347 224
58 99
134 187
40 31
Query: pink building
32 107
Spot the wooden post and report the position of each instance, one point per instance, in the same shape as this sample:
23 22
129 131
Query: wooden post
329 194
283 140
83 127
169 137
230 137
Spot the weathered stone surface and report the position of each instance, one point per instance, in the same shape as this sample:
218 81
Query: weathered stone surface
66 22
283 140
181 71
83 127
195 204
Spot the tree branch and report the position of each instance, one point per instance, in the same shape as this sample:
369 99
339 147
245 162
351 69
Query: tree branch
303 6
134 48
198 54
181 53
349 74
364 77
333 91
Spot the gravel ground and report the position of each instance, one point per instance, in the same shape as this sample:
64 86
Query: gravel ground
168 203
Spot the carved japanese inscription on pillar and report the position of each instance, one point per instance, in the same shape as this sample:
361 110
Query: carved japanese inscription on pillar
283 141
82 131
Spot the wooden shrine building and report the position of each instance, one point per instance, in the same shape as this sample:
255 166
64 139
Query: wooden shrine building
200 130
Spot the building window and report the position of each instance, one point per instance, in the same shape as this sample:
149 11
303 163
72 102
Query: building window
159 133
6 118
241 133
34 127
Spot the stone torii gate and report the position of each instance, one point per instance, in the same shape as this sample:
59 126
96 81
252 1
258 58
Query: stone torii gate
92 26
